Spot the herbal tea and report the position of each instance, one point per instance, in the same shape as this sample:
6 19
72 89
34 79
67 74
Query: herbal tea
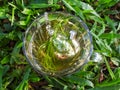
59 44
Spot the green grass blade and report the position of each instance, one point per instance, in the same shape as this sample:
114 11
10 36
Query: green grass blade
86 6
61 83
22 3
118 28
68 5
5 60
113 87
108 84
35 6
1 74
109 70
78 80
111 23
12 5
24 82
13 16
5 69
55 1
77 10
3 12
110 36
50 1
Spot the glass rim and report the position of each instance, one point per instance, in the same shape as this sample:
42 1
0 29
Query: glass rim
64 13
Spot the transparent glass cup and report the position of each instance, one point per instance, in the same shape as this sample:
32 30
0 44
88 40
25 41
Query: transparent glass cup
57 44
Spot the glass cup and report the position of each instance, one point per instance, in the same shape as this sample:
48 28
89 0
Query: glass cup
57 44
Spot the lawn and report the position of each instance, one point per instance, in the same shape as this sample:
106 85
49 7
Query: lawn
102 72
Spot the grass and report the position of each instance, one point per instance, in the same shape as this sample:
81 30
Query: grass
103 19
